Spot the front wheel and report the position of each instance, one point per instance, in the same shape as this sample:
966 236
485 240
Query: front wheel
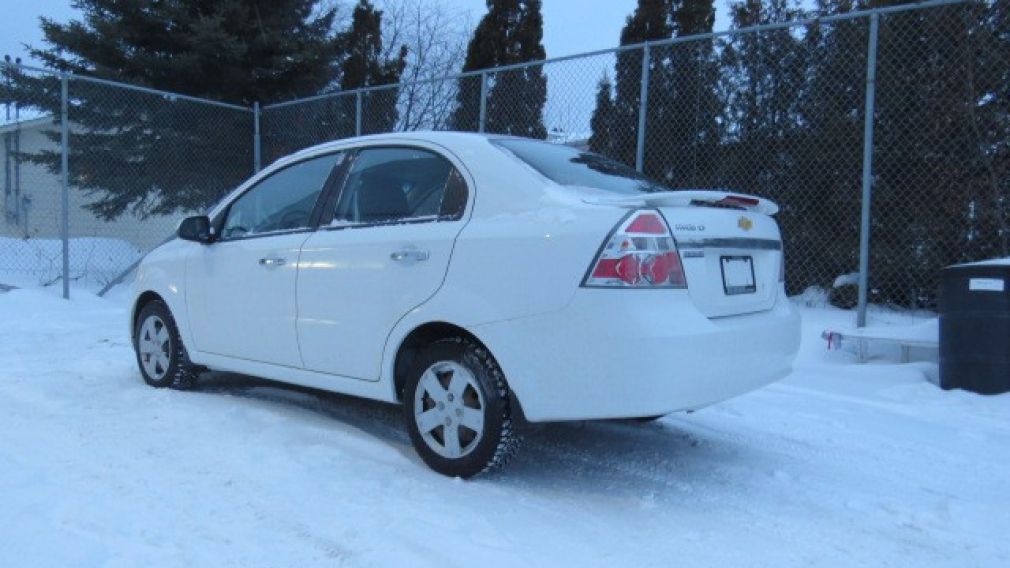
161 356
457 410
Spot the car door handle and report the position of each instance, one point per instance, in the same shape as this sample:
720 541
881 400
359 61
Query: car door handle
409 254
272 262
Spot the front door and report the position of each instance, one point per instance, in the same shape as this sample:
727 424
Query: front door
385 252
240 290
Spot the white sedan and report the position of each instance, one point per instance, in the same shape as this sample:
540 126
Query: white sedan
477 281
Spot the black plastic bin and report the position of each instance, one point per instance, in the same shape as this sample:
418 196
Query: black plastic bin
975 327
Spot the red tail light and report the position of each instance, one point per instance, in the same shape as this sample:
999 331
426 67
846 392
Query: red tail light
639 253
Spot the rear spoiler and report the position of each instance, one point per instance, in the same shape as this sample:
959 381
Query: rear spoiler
688 198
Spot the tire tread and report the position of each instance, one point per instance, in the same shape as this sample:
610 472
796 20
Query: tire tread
477 356
186 374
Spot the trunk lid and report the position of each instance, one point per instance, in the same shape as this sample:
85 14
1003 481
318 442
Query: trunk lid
731 259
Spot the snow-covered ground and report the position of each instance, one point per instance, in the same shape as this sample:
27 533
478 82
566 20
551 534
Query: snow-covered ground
840 464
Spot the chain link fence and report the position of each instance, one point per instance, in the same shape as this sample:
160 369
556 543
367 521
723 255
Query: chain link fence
107 170
941 165
30 233
777 109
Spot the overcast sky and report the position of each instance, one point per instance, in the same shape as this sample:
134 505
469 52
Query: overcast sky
570 26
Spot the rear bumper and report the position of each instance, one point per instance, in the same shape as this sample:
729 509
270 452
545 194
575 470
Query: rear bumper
629 353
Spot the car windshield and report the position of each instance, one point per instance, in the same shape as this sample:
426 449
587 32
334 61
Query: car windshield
572 167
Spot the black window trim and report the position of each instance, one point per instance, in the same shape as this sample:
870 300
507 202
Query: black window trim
353 153
336 175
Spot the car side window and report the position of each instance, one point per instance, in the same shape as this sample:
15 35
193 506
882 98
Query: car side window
281 202
388 185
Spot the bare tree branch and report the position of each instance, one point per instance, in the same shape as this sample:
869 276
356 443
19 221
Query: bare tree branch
435 34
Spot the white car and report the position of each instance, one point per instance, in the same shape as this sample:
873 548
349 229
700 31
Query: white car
476 280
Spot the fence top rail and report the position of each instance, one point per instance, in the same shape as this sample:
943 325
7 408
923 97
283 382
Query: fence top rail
127 86
858 14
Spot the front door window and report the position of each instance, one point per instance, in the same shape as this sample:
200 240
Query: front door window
281 202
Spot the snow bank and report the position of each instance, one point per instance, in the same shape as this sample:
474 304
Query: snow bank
990 262
94 261
919 331
840 464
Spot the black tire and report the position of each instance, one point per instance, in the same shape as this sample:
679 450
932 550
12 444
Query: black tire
498 440
179 373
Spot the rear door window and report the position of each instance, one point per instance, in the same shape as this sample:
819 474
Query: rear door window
400 184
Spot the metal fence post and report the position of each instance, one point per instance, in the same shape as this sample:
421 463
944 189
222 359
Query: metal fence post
864 221
643 105
482 119
257 151
357 113
65 180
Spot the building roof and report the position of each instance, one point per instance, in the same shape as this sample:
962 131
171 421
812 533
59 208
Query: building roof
33 123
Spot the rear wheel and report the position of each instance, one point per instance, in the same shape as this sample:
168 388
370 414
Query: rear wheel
161 356
456 408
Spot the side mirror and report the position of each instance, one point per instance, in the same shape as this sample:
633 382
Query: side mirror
196 229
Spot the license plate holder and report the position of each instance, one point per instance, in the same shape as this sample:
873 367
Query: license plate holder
738 275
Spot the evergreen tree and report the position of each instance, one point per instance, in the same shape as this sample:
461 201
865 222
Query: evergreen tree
936 195
988 84
940 157
230 50
682 139
764 71
511 32
602 123
821 201
763 81
651 20
365 67
151 154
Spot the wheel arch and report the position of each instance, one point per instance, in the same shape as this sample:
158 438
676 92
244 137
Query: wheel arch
421 335
142 300
426 334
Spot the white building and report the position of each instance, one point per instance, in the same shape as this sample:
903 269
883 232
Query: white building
32 201
30 226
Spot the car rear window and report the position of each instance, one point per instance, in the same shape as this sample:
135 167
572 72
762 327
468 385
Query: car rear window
570 166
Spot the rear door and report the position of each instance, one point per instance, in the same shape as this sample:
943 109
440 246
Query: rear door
732 258
240 290
383 250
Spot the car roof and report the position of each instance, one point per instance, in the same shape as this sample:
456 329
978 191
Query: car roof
447 138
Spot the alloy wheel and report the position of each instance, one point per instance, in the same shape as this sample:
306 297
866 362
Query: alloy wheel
449 409
155 346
